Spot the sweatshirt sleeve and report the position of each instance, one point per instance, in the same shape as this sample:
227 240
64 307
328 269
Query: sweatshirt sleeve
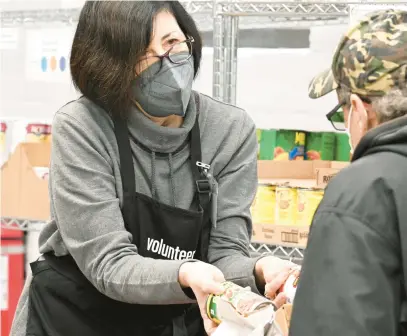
87 211
230 240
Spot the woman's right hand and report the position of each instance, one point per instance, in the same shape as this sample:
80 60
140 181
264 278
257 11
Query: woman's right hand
203 279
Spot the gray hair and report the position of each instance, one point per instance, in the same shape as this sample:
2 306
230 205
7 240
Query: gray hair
388 107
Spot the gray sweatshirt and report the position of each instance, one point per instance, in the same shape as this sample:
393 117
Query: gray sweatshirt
86 194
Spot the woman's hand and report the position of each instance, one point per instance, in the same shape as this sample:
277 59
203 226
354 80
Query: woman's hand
203 279
271 273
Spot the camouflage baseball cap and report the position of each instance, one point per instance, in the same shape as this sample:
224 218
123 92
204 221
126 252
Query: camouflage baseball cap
370 59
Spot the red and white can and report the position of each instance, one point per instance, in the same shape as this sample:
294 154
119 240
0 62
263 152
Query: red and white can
3 130
5 143
38 132
290 287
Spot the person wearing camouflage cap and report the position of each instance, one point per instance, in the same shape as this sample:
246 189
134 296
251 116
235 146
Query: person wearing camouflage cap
353 275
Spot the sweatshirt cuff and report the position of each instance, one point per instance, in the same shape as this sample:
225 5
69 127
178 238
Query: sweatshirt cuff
243 274
187 291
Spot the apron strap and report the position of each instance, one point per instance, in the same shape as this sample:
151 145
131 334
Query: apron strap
203 190
203 185
126 169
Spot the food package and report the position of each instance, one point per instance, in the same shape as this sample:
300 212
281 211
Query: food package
240 312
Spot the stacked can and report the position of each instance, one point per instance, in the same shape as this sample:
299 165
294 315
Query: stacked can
38 132
4 143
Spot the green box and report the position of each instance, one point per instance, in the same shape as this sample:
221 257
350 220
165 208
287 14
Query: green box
342 152
281 145
320 146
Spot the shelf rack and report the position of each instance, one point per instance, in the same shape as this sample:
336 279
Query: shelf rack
226 17
11 223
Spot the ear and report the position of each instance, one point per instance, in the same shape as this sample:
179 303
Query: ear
359 113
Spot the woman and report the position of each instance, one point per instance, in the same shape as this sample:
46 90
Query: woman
150 186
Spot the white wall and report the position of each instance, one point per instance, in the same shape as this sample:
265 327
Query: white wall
272 84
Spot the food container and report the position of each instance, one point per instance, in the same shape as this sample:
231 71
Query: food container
286 205
320 146
264 205
38 132
282 145
238 305
342 150
307 203
290 287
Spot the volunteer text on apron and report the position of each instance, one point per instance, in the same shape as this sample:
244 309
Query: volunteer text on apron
64 303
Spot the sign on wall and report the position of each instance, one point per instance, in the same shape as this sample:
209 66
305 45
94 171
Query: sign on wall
47 54
8 38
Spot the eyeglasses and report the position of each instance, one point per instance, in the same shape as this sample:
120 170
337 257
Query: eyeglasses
336 117
178 53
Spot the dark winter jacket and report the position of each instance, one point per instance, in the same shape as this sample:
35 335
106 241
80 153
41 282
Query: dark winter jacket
352 280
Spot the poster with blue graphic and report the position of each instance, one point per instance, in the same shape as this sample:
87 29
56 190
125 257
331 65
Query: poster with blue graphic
47 54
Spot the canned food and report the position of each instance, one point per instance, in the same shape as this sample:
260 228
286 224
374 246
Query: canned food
212 308
286 205
234 304
307 203
3 130
49 129
264 205
37 132
290 287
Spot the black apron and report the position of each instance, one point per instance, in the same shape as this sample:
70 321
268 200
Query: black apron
64 303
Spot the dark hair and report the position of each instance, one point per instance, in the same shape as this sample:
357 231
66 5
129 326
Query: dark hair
110 38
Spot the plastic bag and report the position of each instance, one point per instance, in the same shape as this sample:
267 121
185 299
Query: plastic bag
271 328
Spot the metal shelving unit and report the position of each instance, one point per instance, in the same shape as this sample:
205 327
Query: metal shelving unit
228 14
294 254
21 224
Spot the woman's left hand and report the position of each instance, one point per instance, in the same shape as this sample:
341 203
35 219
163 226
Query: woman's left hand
271 273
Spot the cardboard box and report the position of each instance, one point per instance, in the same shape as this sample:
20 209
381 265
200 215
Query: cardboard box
299 174
24 194
302 174
290 236
324 175
283 318
269 169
